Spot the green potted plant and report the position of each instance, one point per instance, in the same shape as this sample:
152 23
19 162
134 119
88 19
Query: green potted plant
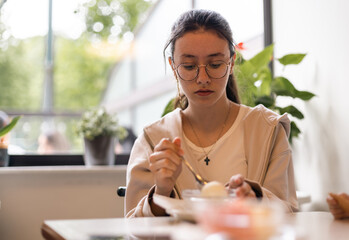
4 129
258 86
100 131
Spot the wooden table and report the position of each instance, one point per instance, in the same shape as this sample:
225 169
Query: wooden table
302 226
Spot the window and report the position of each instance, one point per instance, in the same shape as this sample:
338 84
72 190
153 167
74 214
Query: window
55 59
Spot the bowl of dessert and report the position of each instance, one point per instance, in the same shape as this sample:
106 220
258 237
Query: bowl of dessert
220 211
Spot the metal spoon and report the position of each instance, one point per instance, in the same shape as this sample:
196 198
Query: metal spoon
197 176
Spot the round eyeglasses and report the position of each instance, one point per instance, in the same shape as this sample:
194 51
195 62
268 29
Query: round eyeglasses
190 71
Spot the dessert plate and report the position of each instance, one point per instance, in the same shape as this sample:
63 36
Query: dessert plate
178 208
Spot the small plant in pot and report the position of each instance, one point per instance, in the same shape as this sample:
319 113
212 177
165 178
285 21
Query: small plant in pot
100 131
6 125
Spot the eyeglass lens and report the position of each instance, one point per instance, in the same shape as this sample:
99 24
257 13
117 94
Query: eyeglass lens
189 71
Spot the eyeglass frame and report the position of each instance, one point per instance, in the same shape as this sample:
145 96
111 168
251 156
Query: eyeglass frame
202 65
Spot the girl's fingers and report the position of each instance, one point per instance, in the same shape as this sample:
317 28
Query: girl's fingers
177 141
166 144
337 213
242 188
236 181
245 191
344 195
331 201
166 154
335 209
164 163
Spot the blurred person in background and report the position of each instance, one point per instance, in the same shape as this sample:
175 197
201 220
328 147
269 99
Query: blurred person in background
124 146
51 142
4 119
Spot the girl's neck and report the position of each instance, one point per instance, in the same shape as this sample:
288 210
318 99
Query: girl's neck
208 117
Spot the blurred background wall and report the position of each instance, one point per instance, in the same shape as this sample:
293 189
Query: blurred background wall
318 28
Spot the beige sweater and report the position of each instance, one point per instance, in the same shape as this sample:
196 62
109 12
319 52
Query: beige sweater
268 154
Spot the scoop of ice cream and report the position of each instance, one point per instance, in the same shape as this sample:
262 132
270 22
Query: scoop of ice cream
214 189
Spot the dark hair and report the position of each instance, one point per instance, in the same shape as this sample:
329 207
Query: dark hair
194 20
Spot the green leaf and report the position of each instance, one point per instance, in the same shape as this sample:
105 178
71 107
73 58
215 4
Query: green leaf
8 127
267 101
294 131
169 107
283 87
291 59
304 95
239 59
245 73
291 110
249 71
247 94
98 122
263 58
266 78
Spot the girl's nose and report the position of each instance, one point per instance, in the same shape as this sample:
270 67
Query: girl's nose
202 77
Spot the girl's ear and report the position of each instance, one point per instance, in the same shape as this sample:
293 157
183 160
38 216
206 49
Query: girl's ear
170 61
232 64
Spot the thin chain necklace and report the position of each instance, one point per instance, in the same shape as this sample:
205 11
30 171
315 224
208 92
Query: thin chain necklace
207 160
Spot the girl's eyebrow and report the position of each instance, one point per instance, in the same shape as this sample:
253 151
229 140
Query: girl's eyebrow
187 56
216 54
219 54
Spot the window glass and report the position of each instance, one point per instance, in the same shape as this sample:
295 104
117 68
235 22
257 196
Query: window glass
88 38
22 54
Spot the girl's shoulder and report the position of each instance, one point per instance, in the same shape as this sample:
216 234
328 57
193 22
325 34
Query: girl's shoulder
262 113
170 119
168 126
263 117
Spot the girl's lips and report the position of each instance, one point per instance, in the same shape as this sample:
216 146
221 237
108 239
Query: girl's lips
204 92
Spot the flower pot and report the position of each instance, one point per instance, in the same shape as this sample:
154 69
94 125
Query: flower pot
99 151
4 158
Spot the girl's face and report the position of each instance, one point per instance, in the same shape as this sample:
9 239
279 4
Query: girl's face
200 48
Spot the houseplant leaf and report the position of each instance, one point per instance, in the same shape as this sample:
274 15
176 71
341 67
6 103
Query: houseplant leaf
98 122
246 72
266 79
304 95
267 101
294 131
239 59
263 58
8 127
291 110
169 107
291 59
283 87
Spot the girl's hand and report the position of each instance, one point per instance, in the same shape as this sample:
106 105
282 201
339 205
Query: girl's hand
337 211
241 188
166 164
